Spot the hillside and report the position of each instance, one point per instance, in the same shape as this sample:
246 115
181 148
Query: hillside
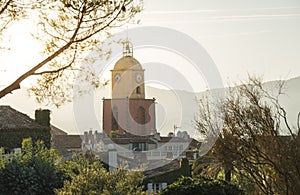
173 108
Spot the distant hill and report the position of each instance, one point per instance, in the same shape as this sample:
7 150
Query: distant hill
173 108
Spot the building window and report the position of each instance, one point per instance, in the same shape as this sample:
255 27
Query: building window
141 115
114 122
141 120
139 146
156 187
138 90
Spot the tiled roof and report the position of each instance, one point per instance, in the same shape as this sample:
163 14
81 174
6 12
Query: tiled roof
57 131
13 119
195 144
133 140
173 139
67 141
150 140
126 63
172 165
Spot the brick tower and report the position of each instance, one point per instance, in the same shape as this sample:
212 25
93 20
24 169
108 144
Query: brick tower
128 110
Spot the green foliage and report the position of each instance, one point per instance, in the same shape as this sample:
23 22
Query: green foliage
43 117
185 168
33 171
13 138
200 186
121 182
113 133
84 177
243 183
88 176
39 170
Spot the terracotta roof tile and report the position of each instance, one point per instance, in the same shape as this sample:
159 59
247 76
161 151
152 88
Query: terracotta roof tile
57 131
13 119
67 141
172 165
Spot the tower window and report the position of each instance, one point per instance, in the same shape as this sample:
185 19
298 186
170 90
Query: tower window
141 115
141 120
138 90
114 122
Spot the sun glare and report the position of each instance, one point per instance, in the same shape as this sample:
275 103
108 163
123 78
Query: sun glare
21 52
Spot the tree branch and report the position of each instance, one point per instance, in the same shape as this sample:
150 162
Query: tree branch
286 122
16 84
5 7
60 69
75 37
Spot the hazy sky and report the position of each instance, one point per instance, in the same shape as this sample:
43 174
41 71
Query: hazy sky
259 37
242 36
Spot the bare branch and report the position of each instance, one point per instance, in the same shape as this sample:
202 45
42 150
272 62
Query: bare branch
60 69
73 23
4 8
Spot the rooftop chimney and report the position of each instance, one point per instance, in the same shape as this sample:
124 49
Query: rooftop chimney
42 117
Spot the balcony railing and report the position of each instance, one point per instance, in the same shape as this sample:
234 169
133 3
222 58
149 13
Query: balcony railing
153 154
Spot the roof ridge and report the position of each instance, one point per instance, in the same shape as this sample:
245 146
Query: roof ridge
11 118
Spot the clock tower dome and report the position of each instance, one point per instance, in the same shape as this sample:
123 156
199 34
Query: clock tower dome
127 76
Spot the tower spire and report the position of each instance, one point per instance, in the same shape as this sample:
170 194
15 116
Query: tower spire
127 46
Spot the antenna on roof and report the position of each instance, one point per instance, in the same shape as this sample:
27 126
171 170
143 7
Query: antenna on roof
175 128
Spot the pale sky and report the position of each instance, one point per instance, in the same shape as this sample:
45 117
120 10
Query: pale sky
242 36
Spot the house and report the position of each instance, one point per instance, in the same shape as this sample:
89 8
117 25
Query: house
57 131
67 145
157 179
15 126
155 147
161 157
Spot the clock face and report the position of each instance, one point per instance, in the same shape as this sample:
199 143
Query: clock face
138 78
117 77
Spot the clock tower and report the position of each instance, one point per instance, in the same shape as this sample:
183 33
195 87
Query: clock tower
127 76
128 111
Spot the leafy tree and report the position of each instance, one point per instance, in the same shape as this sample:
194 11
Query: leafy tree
88 176
38 170
213 166
10 10
33 171
253 143
67 28
201 186
218 160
